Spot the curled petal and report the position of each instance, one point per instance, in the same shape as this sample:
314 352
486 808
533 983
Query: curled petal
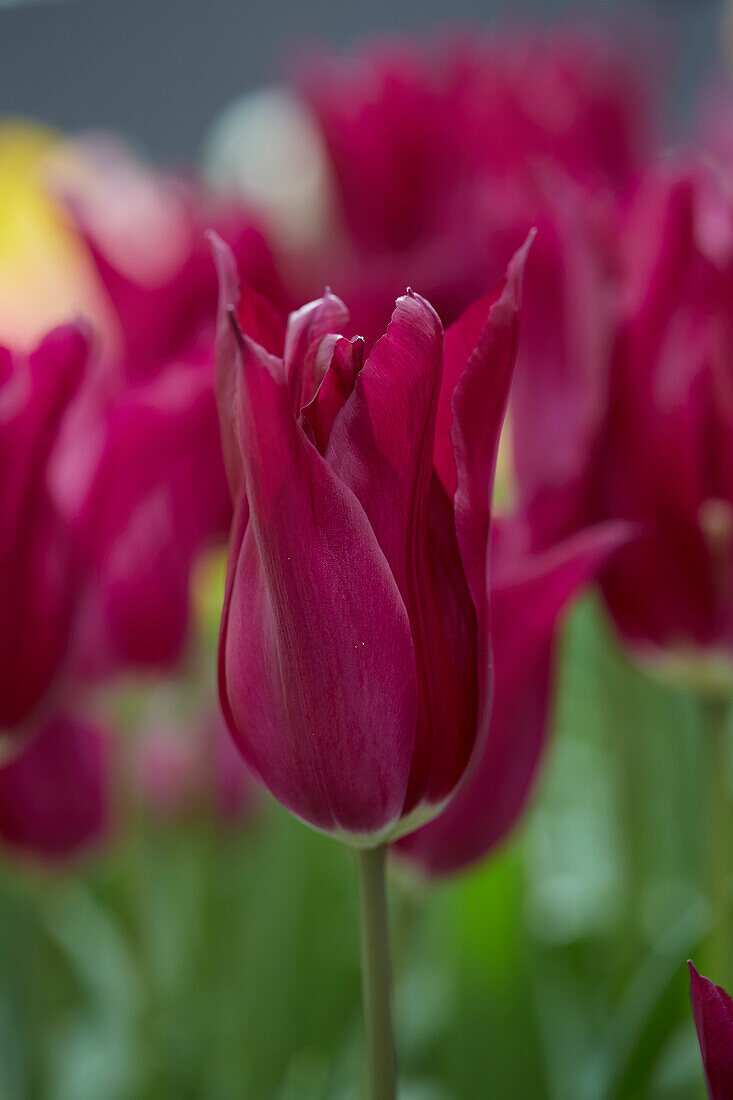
304 368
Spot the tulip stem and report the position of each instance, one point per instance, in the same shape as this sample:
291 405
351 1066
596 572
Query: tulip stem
376 973
719 817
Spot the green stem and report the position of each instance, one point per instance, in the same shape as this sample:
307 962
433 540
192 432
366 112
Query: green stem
719 826
376 973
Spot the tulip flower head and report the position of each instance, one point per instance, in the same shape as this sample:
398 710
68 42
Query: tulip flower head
666 457
713 1012
355 670
38 560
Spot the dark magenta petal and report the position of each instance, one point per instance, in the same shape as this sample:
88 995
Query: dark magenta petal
381 446
712 1009
54 794
39 571
478 405
527 597
317 663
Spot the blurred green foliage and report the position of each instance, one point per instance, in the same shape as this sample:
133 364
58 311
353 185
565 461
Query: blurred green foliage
192 961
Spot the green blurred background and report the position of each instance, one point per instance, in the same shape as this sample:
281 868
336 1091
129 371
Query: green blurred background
195 960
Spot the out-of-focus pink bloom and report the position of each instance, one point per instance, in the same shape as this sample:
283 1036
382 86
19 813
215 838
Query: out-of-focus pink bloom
355 668
38 562
505 112
528 593
54 793
713 1012
142 469
183 770
158 498
667 455
491 104
546 130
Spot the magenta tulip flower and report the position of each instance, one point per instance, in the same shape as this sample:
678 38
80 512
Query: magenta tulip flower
355 653
54 792
713 1012
529 591
38 561
517 118
158 497
667 456
142 469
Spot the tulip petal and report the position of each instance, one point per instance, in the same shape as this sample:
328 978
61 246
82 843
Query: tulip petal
344 359
381 446
306 329
712 1009
54 793
318 668
478 405
525 603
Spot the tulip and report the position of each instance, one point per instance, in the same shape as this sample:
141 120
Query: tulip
54 793
355 658
665 462
713 1012
142 471
529 591
158 498
666 454
356 593
516 117
39 569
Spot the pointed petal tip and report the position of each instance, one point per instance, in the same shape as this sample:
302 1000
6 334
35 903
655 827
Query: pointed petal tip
226 266
515 271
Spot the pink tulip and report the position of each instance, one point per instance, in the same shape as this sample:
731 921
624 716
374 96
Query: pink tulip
54 794
142 468
667 454
713 1012
516 118
38 562
355 670
529 591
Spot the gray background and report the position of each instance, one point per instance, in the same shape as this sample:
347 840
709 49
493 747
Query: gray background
159 70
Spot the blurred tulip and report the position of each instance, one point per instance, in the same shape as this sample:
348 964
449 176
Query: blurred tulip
39 568
184 770
158 498
140 469
529 591
506 111
355 654
667 458
713 1012
54 794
